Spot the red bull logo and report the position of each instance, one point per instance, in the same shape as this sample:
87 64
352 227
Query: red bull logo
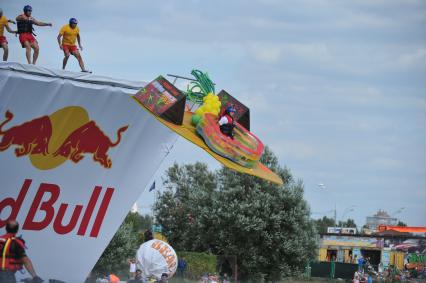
67 134
21 136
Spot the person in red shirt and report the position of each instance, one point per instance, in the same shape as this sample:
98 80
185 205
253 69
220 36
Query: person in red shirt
13 256
26 35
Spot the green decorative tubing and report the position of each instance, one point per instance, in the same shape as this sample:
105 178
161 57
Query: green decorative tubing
198 89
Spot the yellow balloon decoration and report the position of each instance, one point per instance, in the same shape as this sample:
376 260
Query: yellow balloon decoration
211 104
199 111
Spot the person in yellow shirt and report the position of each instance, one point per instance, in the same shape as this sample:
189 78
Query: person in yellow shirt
4 23
70 34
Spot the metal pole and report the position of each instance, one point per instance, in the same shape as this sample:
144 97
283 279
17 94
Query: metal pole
182 77
185 78
346 211
236 270
335 214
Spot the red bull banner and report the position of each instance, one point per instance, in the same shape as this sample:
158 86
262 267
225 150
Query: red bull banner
76 152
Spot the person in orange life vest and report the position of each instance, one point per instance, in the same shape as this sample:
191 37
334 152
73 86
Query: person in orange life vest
69 34
25 24
227 123
13 256
4 23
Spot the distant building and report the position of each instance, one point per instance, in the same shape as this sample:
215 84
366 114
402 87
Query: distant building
390 250
341 230
380 218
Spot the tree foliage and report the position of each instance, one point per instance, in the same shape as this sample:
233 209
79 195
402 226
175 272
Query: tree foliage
198 263
323 223
267 227
140 222
122 246
349 223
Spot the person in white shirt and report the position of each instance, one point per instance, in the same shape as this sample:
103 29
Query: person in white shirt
132 269
227 123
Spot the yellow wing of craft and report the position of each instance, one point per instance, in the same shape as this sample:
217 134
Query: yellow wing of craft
188 131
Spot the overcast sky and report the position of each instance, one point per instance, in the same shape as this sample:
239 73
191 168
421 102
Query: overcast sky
335 88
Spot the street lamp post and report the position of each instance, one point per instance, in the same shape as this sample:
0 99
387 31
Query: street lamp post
322 186
397 212
346 211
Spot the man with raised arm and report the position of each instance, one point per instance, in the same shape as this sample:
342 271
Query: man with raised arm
26 35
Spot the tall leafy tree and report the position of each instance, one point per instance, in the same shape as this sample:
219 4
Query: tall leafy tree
146 222
349 223
122 247
140 222
189 190
267 227
323 223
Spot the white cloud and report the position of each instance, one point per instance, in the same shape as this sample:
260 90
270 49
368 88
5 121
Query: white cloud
317 52
269 24
361 20
385 163
414 59
298 150
266 54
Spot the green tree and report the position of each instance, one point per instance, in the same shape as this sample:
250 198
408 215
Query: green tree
400 223
146 222
322 224
267 227
188 191
140 222
122 247
350 223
